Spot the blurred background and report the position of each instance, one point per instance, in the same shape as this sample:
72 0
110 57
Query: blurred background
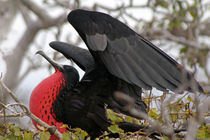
181 28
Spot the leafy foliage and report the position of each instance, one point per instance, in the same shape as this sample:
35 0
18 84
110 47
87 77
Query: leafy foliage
179 112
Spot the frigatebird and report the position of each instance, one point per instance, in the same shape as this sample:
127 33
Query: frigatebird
118 60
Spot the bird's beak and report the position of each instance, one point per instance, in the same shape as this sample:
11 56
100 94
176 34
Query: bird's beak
52 62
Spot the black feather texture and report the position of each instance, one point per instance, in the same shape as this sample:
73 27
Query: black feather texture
128 55
118 60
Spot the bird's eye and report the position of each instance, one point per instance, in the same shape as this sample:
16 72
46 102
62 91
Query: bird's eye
67 68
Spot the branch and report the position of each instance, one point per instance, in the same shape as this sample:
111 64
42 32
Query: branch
40 12
141 115
14 60
205 25
165 129
26 15
9 92
165 115
51 129
119 8
164 34
195 121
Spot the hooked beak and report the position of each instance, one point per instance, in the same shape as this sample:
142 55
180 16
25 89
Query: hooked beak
52 62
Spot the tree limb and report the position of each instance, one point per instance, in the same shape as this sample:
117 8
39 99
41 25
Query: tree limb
195 121
141 115
164 34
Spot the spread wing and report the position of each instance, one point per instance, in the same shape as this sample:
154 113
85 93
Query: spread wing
80 56
127 55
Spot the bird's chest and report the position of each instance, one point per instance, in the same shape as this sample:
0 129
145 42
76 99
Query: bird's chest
102 86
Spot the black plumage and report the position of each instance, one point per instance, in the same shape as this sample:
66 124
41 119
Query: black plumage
81 108
118 60
127 55
98 82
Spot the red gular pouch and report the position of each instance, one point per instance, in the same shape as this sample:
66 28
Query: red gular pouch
42 99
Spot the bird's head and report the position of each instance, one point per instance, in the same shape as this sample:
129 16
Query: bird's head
46 92
69 73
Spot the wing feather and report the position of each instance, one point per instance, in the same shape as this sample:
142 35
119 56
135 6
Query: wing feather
126 54
137 62
80 56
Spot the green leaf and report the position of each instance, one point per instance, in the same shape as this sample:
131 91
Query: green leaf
11 137
124 138
44 136
115 129
113 117
190 99
28 136
174 118
162 3
17 131
129 119
193 11
183 50
80 133
164 138
204 132
66 136
153 113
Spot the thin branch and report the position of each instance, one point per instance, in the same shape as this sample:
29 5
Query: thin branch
195 121
43 15
165 115
40 12
13 62
9 92
25 14
164 34
6 107
119 7
141 115
12 115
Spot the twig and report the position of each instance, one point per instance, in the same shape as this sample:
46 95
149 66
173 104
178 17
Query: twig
12 115
141 115
2 98
51 129
195 121
165 115
9 91
164 34
40 12
7 107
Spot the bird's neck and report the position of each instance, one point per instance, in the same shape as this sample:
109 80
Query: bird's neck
44 95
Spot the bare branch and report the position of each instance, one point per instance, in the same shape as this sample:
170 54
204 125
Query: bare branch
9 92
13 61
195 121
122 7
164 113
40 12
25 14
141 115
164 34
